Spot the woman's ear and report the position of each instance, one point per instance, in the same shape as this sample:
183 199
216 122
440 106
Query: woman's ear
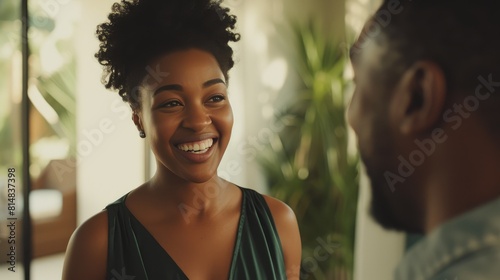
418 102
137 120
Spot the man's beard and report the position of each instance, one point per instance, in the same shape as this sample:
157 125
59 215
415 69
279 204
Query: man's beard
380 205
383 205
385 214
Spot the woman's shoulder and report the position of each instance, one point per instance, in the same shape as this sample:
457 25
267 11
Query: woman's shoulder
118 202
95 226
86 256
280 210
288 231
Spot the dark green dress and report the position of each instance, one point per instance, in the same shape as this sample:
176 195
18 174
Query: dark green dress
133 253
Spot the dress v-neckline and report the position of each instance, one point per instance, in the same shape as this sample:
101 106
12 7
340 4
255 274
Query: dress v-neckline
237 242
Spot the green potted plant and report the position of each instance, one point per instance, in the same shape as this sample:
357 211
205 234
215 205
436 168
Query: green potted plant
309 163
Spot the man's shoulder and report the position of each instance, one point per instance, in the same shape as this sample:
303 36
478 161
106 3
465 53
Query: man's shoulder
483 264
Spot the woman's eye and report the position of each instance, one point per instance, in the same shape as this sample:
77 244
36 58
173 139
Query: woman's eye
171 104
217 98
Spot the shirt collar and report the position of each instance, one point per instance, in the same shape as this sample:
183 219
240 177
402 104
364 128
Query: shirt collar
457 238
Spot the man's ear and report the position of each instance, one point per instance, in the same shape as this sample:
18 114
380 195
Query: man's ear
137 120
417 104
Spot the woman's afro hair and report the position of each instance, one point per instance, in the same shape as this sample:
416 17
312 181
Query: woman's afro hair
139 31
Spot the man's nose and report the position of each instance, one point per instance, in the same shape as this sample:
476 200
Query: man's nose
350 113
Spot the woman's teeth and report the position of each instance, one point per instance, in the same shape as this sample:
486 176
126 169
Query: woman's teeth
196 147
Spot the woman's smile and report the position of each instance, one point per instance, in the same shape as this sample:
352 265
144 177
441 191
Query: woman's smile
197 151
199 147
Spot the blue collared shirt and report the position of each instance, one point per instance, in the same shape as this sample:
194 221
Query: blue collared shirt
465 248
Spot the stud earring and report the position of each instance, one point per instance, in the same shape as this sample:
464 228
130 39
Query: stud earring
142 134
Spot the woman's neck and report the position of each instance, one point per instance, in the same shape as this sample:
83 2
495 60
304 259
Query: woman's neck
194 200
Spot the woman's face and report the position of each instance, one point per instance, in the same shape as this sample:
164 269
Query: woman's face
186 114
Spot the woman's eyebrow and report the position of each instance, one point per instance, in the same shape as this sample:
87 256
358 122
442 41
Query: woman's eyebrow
176 87
213 82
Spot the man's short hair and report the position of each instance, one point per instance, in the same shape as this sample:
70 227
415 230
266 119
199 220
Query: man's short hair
462 37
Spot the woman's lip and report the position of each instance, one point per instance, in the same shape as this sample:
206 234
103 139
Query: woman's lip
197 142
186 140
196 158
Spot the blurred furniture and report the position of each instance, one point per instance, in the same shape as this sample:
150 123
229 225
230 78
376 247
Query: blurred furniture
53 207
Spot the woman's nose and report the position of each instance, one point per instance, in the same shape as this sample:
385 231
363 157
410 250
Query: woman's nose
196 118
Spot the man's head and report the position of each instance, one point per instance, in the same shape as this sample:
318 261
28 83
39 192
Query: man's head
422 68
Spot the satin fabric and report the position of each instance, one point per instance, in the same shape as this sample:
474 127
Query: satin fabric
133 253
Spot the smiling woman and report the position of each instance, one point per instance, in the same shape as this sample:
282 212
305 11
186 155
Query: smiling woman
187 109
170 60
